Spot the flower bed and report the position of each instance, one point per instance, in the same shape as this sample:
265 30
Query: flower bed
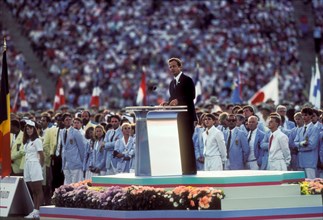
83 195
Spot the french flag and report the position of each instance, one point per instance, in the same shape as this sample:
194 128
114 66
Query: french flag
142 91
20 103
59 99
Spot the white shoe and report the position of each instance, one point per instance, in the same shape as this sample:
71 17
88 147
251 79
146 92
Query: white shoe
33 214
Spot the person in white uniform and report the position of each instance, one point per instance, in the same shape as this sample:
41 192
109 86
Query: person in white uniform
278 149
214 151
34 160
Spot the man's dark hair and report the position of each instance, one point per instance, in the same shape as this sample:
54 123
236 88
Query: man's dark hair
307 110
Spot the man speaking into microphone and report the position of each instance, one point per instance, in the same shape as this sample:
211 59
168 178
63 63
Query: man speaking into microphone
182 92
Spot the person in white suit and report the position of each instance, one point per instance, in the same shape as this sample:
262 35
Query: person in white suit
278 149
214 151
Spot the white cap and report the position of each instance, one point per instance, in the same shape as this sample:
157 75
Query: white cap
30 123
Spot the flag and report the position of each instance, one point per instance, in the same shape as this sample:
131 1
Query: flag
5 157
270 90
315 89
236 92
310 96
20 99
95 99
59 99
198 86
142 92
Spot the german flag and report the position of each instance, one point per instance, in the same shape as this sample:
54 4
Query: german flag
5 118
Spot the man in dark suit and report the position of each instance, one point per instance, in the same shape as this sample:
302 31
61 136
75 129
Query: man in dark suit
182 92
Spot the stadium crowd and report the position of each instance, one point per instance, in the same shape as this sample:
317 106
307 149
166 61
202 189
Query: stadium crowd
120 37
76 144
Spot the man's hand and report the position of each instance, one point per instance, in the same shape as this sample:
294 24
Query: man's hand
174 102
163 104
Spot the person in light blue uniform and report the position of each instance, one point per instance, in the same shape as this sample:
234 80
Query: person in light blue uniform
237 146
110 139
73 143
320 165
248 111
307 142
255 137
315 120
198 144
264 150
97 166
286 124
124 150
88 153
293 148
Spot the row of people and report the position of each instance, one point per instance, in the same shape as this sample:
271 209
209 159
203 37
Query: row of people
50 156
229 144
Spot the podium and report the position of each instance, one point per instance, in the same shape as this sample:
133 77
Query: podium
157 140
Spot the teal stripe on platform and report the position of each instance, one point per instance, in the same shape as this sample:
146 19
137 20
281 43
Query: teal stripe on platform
204 178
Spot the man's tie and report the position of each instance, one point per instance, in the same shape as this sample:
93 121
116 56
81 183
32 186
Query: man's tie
304 130
270 141
249 138
111 139
229 142
65 136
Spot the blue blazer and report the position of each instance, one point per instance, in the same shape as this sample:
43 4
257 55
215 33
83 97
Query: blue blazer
257 149
110 141
321 148
308 155
88 155
238 150
264 150
198 146
73 150
289 125
291 137
98 157
198 142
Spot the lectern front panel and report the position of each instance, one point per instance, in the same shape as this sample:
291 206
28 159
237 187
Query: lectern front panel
164 148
